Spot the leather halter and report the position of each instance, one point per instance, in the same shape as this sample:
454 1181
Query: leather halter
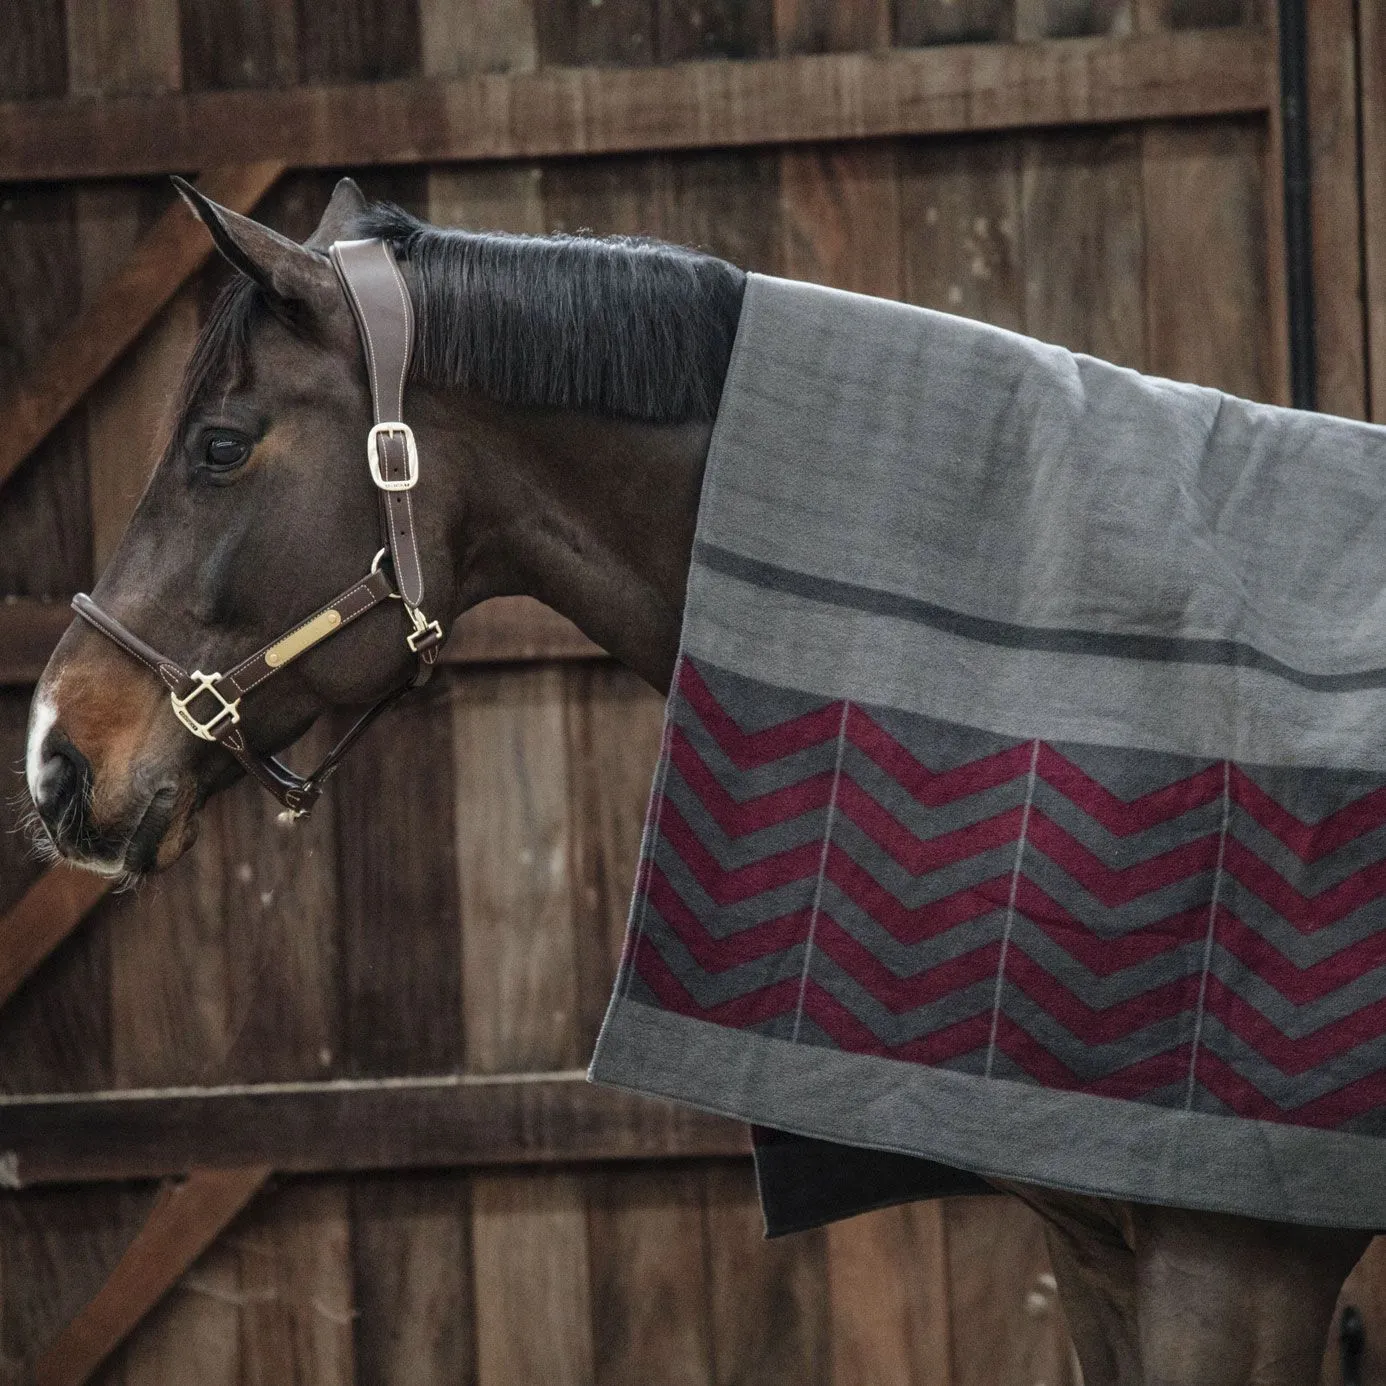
209 705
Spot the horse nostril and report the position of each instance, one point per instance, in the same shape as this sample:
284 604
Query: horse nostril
64 777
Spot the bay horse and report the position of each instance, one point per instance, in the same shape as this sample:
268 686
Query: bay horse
563 392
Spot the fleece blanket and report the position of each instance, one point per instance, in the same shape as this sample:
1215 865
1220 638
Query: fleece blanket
1022 804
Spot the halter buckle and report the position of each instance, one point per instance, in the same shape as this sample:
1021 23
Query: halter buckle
411 454
226 717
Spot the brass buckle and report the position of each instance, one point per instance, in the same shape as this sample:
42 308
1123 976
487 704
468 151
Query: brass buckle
411 454
423 629
206 683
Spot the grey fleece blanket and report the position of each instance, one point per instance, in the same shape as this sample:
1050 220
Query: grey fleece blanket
1023 795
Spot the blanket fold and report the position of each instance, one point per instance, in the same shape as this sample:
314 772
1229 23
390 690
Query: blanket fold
1022 803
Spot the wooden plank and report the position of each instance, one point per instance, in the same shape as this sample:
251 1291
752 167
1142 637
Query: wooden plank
562 111
1372 38
960 205
650 1319
29 629
505 630
173 248
1006 1323
529 1230
531 1279
449 1121
769 1312
48 911
183 1223
400 952
1083 234
1207 263
888 1293
412 1250
1336 209
58 1247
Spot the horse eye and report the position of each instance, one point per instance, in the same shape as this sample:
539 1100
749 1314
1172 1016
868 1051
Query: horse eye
223 451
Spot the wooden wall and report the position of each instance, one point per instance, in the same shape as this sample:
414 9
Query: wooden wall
475 928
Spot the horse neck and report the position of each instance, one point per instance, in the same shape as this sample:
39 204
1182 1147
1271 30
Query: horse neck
592 516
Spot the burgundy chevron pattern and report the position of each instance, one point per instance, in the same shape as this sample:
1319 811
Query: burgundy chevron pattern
1093 919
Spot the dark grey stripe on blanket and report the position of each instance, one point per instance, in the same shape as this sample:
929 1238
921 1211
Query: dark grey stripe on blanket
1159 648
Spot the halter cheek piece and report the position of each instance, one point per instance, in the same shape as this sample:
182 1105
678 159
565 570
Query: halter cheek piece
209 705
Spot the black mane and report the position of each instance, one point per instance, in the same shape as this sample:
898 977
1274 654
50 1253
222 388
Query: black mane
619 326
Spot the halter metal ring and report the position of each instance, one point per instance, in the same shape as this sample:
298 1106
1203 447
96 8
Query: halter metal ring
411 456
206 683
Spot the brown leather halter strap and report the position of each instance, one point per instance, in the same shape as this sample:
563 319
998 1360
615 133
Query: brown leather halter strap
209 705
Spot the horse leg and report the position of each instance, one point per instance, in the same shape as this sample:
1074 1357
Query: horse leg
1095 1270
1230 1301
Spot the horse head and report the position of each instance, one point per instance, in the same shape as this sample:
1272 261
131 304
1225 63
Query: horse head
258 508
562 391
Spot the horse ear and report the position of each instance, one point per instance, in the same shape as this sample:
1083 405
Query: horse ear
346 204
283 268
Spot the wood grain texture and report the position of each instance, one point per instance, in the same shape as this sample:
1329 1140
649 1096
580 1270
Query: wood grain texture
357 40
960 205
770 1318
888 1293
1007 1326
649 1269
412 1260
450 1121
57 1249
1083 237
456 40
1372 38
87 347
181 1225
238 43
613 34
529 1240
45 527
920 22
514 855
401 954
122 46
574 110
613 729
1336 209
1206 309
47 912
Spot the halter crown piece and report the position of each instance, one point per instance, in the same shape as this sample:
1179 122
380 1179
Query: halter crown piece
209 705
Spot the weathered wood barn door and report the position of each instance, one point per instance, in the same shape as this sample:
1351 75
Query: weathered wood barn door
369 1029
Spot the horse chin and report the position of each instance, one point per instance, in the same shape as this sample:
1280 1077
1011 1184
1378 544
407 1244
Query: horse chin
167 828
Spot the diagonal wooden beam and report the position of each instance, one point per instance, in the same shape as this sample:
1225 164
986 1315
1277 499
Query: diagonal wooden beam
185 1220
169 252
52 907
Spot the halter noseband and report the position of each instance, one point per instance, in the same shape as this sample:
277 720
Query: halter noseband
209 705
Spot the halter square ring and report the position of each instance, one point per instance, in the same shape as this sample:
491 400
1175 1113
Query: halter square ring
411 456
208 731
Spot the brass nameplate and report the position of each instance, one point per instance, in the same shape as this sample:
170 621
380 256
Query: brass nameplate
304 638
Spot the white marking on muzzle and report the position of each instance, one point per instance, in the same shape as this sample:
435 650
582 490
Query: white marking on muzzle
41 720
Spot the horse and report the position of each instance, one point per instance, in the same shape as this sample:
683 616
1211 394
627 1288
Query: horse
563 391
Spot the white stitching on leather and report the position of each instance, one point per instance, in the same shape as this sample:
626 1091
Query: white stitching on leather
329 606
